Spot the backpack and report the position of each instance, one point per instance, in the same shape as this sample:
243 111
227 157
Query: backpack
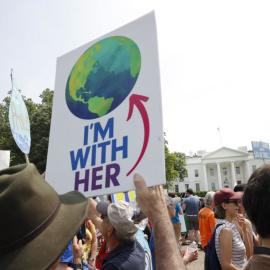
101 255
211 261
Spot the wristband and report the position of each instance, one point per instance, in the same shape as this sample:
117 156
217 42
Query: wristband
77 266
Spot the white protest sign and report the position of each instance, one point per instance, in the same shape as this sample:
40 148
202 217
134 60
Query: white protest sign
183 223
4 159
19 120
107 117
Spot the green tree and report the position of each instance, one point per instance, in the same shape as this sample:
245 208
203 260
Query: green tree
170 161
180 165
39 117
40 130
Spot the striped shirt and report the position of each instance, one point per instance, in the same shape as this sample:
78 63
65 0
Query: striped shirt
238 248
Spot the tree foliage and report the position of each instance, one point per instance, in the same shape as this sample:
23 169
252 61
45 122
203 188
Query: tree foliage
180 165
39 117
175 164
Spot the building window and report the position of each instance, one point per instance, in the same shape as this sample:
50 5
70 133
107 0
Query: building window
213 186
224 171
253 168
196 173
197 187
238 182
176 188
186 186
237 170
212 172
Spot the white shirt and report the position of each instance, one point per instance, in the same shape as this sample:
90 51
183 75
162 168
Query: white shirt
238 248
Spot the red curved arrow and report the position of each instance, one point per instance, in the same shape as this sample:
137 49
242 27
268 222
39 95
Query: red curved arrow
137 101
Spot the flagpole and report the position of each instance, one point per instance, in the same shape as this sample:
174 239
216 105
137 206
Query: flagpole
219 136
11 78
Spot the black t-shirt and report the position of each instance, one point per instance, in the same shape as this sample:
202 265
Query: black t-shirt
125 257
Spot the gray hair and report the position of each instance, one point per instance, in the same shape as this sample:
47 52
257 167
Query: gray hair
209 198
122 239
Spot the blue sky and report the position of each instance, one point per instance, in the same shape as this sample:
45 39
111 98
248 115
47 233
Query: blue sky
214 59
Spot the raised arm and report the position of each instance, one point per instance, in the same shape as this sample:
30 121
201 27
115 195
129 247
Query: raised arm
93 214
152 203
247 234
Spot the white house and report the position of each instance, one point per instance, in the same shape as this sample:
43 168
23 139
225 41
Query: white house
224 167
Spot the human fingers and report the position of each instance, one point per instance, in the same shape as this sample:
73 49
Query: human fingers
140 184
77 250
75 240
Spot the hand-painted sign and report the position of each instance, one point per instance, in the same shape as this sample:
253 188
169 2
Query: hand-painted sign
260 150
107 117
19 120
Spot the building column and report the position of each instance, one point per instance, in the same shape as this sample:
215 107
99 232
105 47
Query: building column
247 170
219 176
233 175
205 181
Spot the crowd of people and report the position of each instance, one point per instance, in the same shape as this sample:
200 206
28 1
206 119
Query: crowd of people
43 230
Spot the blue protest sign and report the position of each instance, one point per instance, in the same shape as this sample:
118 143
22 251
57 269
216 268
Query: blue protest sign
260 150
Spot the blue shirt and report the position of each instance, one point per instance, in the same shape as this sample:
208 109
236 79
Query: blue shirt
152 248
124 257
176 218
192 205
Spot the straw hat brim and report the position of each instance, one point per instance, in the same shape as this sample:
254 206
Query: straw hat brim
44 250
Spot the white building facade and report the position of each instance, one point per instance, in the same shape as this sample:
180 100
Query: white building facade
224 167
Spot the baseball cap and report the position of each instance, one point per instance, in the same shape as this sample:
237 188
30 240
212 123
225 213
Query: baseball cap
118 217
169 200
225 194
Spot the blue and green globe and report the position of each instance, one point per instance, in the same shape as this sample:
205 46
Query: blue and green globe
103 77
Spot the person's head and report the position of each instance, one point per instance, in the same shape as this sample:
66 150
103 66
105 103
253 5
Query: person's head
170 202
109 198
240 188
226 202
171 194
256 200
37 223
209 199
116 223
189 192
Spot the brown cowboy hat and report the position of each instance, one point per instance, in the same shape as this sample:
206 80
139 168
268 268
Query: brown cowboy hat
36 224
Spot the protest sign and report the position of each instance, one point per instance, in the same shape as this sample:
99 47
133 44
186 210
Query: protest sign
261 150
107 118
4 159
19 120
121 196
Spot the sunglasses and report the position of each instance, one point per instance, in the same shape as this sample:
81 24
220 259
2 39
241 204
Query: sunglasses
236 202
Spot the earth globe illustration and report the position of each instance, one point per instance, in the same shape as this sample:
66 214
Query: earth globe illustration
103 77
